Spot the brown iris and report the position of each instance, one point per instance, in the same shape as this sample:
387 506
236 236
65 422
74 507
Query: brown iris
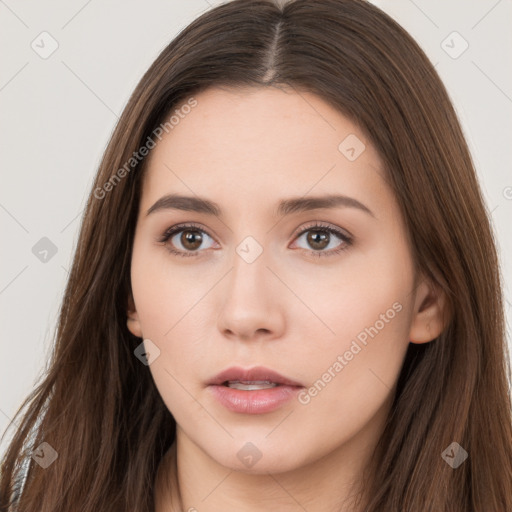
318 239
191 239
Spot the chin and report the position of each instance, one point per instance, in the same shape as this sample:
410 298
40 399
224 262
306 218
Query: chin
252 460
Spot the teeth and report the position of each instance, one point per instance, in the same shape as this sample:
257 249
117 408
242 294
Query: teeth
251 385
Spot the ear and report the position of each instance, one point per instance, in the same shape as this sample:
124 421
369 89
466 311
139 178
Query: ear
431 312
133 321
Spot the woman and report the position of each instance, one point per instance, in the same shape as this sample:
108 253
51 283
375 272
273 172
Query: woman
285 294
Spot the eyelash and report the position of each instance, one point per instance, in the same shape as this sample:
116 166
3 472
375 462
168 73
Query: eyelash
316 226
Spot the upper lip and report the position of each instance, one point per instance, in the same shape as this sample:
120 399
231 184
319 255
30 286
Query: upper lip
257 373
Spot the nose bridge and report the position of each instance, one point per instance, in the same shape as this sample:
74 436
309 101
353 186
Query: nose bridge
249 304
250 273
250 254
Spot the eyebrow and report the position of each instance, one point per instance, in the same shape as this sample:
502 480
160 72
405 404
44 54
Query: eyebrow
284 207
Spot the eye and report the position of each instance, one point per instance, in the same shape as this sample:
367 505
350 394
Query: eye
189 241
189 238
320 236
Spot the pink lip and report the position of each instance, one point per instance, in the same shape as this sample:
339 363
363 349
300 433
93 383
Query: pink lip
256 401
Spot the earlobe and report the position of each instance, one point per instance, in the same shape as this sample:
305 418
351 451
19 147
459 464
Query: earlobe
132 321
430 313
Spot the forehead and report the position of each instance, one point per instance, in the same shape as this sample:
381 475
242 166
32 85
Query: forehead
254 141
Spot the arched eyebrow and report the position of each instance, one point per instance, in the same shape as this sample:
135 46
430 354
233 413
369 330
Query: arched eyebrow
284 207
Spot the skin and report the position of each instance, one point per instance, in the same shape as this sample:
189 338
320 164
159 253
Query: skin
288 310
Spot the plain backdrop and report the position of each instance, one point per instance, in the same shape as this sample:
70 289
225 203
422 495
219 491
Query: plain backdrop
58 111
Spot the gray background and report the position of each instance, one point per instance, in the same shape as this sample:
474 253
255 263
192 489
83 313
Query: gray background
58 113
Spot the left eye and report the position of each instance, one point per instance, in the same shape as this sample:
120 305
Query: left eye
324 239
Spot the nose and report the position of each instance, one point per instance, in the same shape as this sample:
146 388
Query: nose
252 302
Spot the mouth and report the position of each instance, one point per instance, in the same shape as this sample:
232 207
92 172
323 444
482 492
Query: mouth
252 391
256 376
250 385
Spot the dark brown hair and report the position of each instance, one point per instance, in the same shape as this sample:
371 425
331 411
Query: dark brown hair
98 406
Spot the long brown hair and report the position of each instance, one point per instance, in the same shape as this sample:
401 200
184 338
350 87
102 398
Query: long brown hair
97 405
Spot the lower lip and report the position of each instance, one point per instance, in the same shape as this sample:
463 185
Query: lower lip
256 401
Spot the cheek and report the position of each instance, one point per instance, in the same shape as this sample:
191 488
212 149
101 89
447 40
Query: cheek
366 289
175 313
163 293
367 308
366 350
165 307
351 379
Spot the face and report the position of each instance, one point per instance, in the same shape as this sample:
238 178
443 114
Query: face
323 294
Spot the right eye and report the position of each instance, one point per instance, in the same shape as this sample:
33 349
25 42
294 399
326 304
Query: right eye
189 236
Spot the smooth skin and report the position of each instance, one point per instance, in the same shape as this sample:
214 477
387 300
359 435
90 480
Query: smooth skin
289 309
